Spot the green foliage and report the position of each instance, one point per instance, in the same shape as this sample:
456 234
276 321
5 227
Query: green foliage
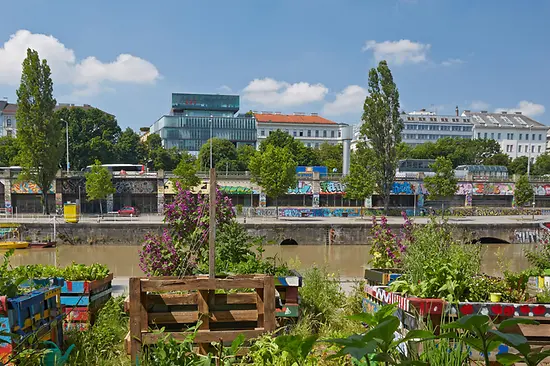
186 172
244 154
160 158
38 131
444 183
224 155
436 265
9 149
382 126
103 342
274 170
482 286
286 350
518 166
129 148
523 194
542 165
501 159
94 135
359 183
539 257
331 156
73 272
302 155
9 280
98 183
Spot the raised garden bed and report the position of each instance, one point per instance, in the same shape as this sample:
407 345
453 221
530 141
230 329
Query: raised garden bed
288 302
35 315
381 276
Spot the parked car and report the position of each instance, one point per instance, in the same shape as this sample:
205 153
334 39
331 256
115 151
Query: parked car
128 211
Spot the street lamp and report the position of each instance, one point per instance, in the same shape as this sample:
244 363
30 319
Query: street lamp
211 141
529 156
67 138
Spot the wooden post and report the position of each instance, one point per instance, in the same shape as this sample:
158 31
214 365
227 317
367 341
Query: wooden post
269 304
204 316
260 307
136 316
212 231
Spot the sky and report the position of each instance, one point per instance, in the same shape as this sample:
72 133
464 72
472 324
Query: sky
127 57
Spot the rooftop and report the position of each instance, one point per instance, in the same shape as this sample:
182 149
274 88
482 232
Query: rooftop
434 118
504 120
313 118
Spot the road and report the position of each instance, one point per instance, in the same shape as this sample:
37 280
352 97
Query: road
157 219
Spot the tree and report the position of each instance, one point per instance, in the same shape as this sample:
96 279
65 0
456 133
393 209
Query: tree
244 154
186 172
158 157
303 155
331 156
39 133
93 135
542 165
518 166
498 159
129 149
275 171
224 155
382 126
523 194
9 149
359 184
444 183
99 184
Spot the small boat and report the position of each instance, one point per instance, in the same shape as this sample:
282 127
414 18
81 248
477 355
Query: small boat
14 244
43 244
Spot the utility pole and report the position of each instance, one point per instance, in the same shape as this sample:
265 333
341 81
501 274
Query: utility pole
212 228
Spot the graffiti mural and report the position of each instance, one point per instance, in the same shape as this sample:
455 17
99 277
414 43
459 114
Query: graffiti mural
301 188
464 189
407 188
527 236
330 187
315 202
72 186
237 190
263 199
319 212
542 189
506 189
135 186
28 188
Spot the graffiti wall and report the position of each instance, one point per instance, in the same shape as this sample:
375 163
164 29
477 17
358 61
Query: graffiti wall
301 188
136 186
330 187
28 188
506 189
72 186
542 189
408 188
237 190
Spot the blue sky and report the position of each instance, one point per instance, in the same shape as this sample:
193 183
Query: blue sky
127 57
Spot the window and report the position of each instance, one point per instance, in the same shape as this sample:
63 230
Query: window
540 137
533 137
301 133
520 136
479 135
539 148
308 133
9 133
339 133
433 119
331 133
519 148
270 132
527 136
308 144
294 133
8 123
485 135
526 148
324 133
316 133
262 133
511 136
532 148
498 136
492 135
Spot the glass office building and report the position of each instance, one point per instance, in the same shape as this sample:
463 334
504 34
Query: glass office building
188 125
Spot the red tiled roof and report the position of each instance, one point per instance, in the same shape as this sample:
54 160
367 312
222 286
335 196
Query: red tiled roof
10 108
291 118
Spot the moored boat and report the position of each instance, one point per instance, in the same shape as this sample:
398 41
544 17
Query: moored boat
14 245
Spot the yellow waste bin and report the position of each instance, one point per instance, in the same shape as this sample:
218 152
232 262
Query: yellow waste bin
71 212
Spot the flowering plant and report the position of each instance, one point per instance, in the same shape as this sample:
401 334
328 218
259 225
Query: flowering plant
387 247
539 257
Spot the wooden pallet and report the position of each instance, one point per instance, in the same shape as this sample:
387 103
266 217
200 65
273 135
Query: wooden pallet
176 304
30 317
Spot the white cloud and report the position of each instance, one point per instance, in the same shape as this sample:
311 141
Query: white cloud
225 89
349 100
528 108
478 105
398 52
275 93
87 76
452 61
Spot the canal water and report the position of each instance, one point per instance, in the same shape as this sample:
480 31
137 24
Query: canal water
346 260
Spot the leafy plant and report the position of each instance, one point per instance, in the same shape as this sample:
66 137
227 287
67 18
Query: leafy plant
286 350
539 257
73 272
387 248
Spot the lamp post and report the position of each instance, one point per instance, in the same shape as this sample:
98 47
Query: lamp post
529 155
211 136
67 138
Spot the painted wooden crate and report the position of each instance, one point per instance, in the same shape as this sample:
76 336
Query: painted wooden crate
82 300
30 317
288 301
381 276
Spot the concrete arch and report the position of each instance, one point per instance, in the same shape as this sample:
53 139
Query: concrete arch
490 240
289 241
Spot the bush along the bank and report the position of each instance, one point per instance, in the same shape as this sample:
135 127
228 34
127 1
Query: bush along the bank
72 272
182 249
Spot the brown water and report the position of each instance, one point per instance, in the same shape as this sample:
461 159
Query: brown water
347 260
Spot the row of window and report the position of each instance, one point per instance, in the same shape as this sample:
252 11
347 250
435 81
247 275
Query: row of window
204 122
414 136
308 133
204 134
510 148
438 128
509 136
435 119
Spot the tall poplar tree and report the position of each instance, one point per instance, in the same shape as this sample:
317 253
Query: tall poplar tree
382 126
38 132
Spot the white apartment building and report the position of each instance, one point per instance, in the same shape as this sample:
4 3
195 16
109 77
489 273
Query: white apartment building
424 126
7 118
517 134
310 129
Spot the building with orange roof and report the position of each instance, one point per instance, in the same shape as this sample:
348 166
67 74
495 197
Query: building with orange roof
310 129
